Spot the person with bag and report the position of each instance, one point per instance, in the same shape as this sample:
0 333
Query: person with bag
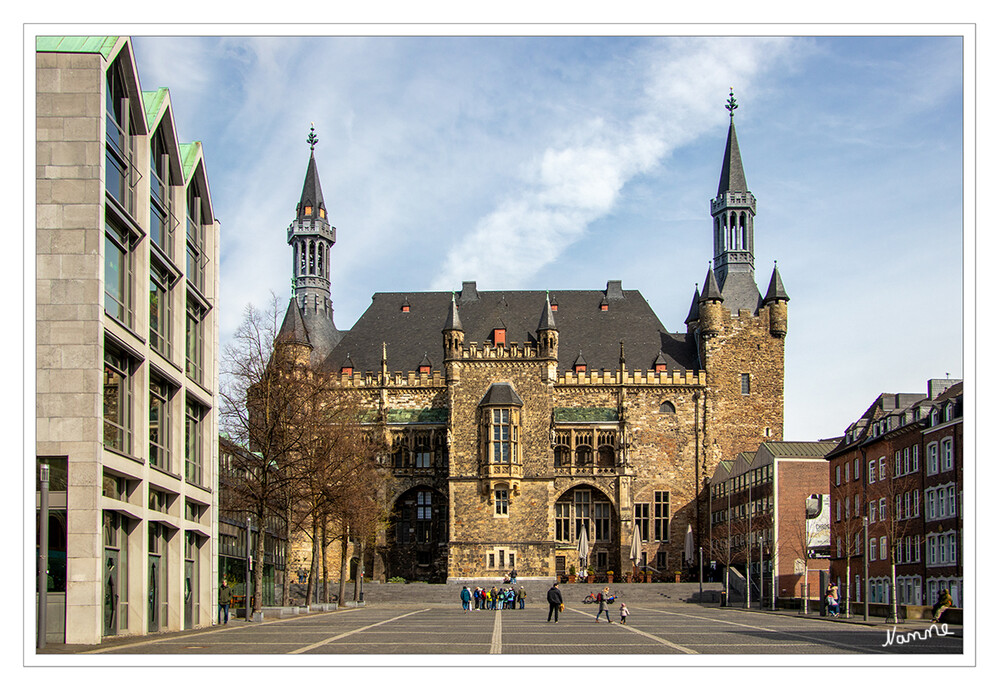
554 602
602 604
466 598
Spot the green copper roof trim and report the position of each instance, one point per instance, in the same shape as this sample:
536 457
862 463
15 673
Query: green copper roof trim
76 44
189 157
429 415
153 101
585 414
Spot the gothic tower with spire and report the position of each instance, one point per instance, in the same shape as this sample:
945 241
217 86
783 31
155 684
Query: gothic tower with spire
309 319
739 334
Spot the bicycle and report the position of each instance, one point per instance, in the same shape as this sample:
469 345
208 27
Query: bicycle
591 598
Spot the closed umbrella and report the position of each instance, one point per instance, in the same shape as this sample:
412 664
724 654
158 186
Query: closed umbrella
688 545
583 548
636 545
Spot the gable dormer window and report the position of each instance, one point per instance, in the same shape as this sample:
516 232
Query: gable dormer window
322 212
308 210
499 337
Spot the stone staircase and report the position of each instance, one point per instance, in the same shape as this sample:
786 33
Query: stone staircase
537 589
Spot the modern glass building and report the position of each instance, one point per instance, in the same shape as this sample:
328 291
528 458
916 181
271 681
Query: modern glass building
126 348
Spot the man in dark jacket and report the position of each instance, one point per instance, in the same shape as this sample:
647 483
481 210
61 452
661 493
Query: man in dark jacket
225 594
554 602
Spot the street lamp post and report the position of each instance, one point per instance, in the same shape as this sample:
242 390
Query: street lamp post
43 554
700 572
249 560
867 585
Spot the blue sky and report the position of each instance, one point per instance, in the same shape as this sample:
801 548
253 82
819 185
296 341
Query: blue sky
561 163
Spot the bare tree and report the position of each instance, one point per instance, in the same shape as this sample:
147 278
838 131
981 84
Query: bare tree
265 394
895 525
851 520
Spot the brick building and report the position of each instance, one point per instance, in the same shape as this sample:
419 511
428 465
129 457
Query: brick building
518 420
126 338
900 468
773 501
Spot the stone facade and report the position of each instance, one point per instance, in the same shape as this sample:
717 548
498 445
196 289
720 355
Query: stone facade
518 420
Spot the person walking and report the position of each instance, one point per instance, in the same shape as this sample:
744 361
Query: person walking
944 602
602 603
522 596
832 600
624 614
466 598
225 595
554 602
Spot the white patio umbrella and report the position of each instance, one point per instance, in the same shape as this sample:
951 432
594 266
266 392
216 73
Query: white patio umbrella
583 547
636 545
688 545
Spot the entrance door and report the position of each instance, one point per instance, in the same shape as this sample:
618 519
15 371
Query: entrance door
189 595
154 593
110 592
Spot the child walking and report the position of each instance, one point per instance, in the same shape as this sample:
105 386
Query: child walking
624 614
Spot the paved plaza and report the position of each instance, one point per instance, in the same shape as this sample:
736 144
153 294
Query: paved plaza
437 629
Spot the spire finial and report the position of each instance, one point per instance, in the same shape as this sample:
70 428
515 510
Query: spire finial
313 139
731 105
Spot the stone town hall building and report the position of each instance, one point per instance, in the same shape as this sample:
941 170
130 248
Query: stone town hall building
518 419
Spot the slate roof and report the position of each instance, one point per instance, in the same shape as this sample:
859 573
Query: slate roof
581 326
800 449
740 292
776 289
312 191
733 178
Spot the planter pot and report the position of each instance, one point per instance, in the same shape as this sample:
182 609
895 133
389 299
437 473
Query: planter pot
589 578
610 578
677 575
572 578
627 578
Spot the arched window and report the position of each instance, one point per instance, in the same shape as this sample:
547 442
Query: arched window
667 408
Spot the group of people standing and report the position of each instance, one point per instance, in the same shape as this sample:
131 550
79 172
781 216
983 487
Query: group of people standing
482 599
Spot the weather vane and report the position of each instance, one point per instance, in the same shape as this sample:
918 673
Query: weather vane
731 105
313 139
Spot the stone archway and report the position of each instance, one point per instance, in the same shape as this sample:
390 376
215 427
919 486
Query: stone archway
417 536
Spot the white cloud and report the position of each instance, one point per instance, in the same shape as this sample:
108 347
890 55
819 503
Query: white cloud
569 186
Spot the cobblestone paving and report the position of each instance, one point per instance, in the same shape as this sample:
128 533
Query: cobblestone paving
668 630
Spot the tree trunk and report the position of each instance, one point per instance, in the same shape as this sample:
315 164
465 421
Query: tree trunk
847 609
359 576
309 587
893 616
286 593
326 579
258 566
343 563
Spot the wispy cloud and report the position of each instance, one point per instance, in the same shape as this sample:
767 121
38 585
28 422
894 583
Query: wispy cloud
567 187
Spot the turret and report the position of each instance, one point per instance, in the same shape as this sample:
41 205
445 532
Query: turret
710 307
777 299
454 334
547 332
